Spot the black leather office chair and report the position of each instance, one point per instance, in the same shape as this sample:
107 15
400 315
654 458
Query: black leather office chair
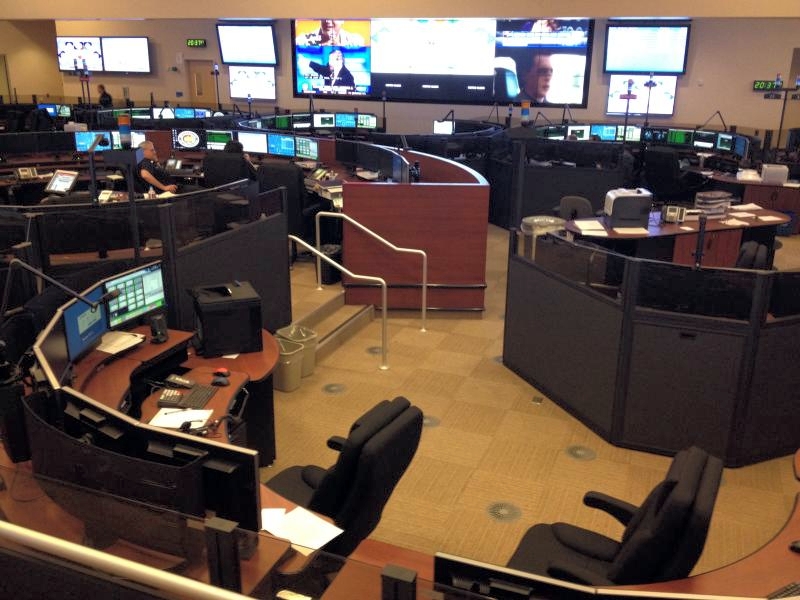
371 461
663 177
224 167
574 207
753 255
663 538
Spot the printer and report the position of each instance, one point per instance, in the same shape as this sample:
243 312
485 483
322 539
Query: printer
774 174
628 207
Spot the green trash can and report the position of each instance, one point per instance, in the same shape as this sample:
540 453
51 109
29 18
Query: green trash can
290 365
308 338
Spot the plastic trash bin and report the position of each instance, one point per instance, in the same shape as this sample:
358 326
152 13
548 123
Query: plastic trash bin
308 339
290 365
330 274
532 227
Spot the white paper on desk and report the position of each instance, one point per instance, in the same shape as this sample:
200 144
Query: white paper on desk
271 518
596 233
589 224
769 218
735 223
742 215
750 206
304 529
686 228
792 184
173 418
631 230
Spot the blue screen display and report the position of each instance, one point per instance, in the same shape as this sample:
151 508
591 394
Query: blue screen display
280 144
607 133
184 112
84 326
346 119
84 140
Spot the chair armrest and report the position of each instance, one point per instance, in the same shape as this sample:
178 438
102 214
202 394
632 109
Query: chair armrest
619 509
336 443
576 574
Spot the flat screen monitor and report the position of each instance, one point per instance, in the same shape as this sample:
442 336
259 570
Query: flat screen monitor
253 141
367 121
64 110
655 135
125 54
216 139
603 132
324 120
466 61
280 144
741 146
85 139
52 109
84 325
162 112
141 292
50 348
247 43
346 120
724 142
654 95
306 148
137 137
183 112
256 82
202 113
79 53
301 121
62 182
631 133
446 127
581 132
679 137
704 140
189 139
655 47
555 132
283 122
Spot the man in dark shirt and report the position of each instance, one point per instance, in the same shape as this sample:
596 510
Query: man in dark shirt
105 98
150 173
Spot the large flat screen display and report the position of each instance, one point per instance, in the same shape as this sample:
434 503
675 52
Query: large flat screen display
659 48
126 54
247 43
257 83
79 53
654 95
468 61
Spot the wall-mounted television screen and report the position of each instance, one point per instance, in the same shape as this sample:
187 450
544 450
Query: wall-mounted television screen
247 43
79 52
254 81
658 99
655 47
468 61
126 54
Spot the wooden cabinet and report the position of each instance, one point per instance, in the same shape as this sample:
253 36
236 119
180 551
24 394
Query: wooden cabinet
720 248
774 197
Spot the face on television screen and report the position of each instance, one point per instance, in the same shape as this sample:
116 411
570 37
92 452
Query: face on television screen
247 43
82 53
256 82
126 54
653 95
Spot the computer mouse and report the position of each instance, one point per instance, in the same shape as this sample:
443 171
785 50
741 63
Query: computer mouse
222 372
220 381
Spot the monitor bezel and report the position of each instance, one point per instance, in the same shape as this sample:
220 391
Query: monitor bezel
106 283
49 189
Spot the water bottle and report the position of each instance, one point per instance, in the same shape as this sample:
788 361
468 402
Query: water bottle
151 193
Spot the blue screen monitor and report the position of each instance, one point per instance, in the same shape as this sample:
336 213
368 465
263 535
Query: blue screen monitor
85 139
346 120
280 144
606 133
83 325
184 112
141 292
52 109
741 146
306 148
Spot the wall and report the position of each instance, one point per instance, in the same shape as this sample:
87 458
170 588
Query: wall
29 47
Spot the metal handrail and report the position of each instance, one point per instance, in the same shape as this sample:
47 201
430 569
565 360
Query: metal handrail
333 263
385 242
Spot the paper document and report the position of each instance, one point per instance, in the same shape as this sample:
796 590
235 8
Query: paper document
631 230
304 529
735 223
750 206
173 418
595 233
114 342
589 225
769 218
742 215
687 228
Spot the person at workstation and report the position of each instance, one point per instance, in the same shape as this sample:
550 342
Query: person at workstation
335 73
235 147
105 99
150 173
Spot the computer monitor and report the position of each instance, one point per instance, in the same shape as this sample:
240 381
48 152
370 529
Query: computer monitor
446 127
367 121
64 110
741 146
704 140
253 141
632 133
324 120
301 121
62 182
84 325
283 122
280 144
52 109
346 152
216 139
189 139
137 137
582 132
654 135
606 133
724 142
306 148
346 120
184 112
141 292
163 112
679 137
85 139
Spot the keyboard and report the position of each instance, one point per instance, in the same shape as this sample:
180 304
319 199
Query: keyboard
197 397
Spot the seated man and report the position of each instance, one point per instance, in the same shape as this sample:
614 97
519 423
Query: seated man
150 173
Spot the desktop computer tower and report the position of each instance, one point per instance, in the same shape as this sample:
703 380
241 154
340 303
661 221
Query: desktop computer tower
227 318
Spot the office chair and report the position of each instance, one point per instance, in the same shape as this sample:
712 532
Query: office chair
573 207
220 168
371 461
663 177
663 538
752 255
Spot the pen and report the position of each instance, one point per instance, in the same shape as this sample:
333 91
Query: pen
177 410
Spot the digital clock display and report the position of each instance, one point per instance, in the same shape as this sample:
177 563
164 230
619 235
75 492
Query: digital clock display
764 85
196 43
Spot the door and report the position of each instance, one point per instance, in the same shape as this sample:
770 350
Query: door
202 84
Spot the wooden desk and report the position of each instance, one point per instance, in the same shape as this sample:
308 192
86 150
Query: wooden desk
673 242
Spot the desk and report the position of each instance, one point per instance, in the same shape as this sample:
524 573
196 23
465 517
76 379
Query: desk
673 242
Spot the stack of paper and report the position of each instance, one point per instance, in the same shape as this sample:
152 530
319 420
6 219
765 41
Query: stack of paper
304 529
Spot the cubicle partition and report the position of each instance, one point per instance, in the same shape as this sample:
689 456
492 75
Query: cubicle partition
656 356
